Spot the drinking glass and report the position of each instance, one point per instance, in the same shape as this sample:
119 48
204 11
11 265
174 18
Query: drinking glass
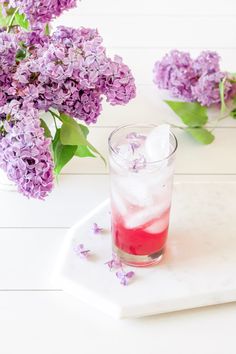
141 194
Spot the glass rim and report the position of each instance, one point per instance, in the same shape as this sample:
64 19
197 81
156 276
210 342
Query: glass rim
149 163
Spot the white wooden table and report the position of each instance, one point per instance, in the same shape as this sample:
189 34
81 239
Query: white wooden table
37 318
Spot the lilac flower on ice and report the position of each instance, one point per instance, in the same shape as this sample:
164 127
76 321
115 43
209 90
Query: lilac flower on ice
175 73
135 140
81 251
96 229
114 263
124 277
137 164
207 92
135 136
24 151
41 10
207 62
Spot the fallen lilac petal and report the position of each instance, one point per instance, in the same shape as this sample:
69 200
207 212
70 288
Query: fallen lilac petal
130 274
81 251
96 229
124 277
114 263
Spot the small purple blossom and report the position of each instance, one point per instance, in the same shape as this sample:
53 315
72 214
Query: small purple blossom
135 140
81 251
137 164
124 277
135 136
96 229
114 263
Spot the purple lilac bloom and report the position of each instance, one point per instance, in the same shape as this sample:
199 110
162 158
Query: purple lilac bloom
24 151
207 92
41 10
207 62
192 80
72 73
124 277
175 73
119 86
96 229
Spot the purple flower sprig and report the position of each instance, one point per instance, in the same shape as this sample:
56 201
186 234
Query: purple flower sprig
67 71
199 83
186 78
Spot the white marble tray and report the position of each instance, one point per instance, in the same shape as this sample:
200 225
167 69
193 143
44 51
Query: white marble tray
197 270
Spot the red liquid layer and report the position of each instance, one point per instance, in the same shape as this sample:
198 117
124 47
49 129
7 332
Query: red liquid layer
138 241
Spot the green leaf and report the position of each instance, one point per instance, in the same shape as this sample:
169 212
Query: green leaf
84 129
72 135
83 151
21 20
233 113
21 54
91 147
222 94
191 113
47 30
62 153
202 135
4 19
47 132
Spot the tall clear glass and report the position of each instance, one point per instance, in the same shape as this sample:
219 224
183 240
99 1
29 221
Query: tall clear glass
141 194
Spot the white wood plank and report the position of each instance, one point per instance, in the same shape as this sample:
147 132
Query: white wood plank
27 255
73 197
148 106
164 31
150 7
192 157
55 323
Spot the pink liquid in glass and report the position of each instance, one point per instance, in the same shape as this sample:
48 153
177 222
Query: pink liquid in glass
147 239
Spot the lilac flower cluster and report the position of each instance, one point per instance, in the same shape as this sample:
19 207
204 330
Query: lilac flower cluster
71 72
24 151
40 11
68 70
192 80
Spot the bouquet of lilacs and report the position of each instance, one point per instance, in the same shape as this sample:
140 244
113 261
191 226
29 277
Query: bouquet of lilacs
66 73
201 88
